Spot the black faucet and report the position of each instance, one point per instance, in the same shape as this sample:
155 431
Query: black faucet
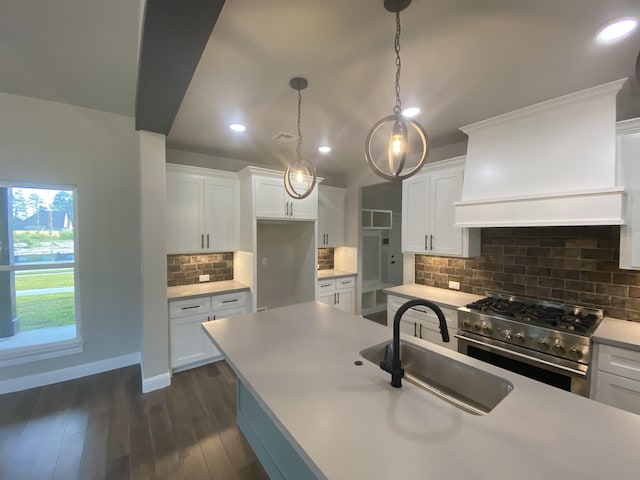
395 366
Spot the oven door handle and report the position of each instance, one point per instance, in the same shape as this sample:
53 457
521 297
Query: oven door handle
521 355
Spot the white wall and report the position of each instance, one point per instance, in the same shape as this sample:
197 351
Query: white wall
57 144
155 325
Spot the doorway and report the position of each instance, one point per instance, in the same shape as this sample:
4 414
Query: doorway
381 257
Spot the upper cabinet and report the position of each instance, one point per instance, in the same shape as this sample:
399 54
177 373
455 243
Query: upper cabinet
273 201
331 216
428 212
202 210
628 151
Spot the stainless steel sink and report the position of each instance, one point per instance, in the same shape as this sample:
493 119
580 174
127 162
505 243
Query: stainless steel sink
466 387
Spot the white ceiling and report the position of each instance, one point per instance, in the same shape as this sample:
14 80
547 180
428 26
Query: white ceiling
81 52
463 61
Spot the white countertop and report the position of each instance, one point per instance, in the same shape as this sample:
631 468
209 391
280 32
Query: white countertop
333 273
441 296
207 288
619 333
349 423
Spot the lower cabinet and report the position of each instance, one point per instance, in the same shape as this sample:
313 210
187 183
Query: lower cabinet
189 345
615 377
338 292
422 322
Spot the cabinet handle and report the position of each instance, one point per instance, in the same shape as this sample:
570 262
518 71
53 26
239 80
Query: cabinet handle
189 308
325 285
420 330
286 209
202 240
415 325
431 238
338 294
425 243
230 301
327 239
207 240
291 209
214 317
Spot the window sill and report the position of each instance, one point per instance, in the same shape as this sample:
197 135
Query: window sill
39 344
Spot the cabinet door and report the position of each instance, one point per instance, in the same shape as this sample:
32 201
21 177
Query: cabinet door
221 215
188 342
415 197
327 298
446 188
270 198
331 216
408 326
306 208
185 225
345 300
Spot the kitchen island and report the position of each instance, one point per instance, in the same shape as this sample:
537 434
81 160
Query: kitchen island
298 378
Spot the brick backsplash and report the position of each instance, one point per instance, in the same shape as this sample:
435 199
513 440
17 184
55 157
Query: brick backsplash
325 258
573 265
186 269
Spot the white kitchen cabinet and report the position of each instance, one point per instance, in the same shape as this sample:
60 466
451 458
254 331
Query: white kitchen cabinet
202 210
615 377
189 345
338 292
428 212
422 322
273 201
628 172
331 216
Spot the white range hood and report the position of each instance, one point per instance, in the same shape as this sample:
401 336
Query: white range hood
553 164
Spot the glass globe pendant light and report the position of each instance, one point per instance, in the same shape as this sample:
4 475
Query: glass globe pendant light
300 177
400 146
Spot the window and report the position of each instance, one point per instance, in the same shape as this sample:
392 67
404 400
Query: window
38 266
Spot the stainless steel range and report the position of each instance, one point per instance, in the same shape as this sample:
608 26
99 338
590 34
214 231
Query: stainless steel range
543 340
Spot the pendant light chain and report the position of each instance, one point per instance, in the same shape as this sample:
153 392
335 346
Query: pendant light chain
299 145
398 108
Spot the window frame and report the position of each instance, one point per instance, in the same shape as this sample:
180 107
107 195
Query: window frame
43 351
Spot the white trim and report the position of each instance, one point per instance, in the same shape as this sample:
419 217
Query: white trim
606 89
625 127
69 373
156 383
43 351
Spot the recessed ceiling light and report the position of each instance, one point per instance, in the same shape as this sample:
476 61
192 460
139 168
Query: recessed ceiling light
324 149
618 29
237 127
411 111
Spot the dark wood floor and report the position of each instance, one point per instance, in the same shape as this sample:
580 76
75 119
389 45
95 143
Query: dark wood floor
103 427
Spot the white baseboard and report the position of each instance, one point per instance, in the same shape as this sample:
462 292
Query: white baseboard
156 382
69 373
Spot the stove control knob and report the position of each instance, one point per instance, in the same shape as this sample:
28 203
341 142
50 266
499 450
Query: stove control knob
486 329
506 334
543 343
521 337
577 352
477 327
466 324
558 347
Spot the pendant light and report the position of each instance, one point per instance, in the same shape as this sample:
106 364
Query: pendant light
300 177
392 165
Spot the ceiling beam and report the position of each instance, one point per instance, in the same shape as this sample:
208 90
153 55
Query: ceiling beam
174 35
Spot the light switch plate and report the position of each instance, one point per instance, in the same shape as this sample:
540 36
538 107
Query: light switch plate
204 278
454 285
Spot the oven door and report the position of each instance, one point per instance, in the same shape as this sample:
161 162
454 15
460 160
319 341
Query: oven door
558 372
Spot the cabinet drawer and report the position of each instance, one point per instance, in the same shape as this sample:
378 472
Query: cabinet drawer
326 285
189 306
619 361
346 282
228 300
618 392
